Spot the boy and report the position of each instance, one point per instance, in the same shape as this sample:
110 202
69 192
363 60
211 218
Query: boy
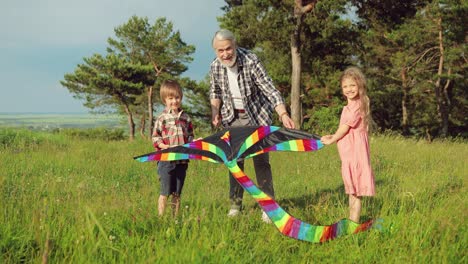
172 127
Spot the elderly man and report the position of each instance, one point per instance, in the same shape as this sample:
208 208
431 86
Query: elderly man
242 94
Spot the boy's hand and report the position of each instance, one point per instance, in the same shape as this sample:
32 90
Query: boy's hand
163 146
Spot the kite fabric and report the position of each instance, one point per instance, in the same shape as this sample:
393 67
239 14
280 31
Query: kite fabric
234 143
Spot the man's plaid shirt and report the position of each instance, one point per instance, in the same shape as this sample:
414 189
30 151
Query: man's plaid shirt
259 94
172 129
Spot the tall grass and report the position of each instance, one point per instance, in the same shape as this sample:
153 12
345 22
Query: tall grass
69 200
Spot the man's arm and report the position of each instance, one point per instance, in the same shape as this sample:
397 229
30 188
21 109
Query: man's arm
215 96
284 116
265 84
215 114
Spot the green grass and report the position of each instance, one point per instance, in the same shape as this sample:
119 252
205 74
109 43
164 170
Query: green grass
87 201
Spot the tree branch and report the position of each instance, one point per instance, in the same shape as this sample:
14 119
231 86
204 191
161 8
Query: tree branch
302 9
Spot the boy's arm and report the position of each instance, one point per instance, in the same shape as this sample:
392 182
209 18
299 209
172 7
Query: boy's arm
190 133
158 142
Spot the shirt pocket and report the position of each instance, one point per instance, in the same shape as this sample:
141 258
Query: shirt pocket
245 85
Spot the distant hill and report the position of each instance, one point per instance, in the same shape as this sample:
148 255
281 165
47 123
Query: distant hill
46 121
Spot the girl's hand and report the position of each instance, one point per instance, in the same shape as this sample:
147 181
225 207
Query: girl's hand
327 139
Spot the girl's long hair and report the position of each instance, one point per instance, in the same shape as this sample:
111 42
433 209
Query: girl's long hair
356 74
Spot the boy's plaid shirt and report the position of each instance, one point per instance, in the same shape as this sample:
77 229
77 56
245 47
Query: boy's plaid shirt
172 129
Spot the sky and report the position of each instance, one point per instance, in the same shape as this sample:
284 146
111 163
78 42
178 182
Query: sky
43 40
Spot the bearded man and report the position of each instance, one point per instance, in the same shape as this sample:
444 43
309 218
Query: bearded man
242 94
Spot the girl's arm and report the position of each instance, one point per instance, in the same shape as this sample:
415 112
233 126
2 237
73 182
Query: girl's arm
330 139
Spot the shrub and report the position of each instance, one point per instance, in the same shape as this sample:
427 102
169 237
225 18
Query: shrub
323 120
101 133
19 138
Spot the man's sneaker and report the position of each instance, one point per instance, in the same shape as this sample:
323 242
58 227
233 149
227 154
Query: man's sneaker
233 212
265 218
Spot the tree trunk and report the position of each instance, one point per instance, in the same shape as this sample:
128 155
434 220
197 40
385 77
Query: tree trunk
442 103
404 101
296 60
131 123
448 103
150 110
143 125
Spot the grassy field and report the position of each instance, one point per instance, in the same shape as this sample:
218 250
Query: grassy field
67 200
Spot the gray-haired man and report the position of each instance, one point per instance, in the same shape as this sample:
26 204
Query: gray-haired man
242 94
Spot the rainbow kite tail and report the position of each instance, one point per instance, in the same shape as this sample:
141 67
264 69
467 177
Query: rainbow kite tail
289 225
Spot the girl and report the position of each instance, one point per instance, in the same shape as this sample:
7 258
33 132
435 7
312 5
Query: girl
352 141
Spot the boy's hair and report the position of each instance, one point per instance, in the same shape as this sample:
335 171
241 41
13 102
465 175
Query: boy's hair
356 74
170 88
224 34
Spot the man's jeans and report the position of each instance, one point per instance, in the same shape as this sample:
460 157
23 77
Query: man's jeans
262 171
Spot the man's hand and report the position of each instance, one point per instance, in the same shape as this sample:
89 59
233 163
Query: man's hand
284 116
287 121
216 120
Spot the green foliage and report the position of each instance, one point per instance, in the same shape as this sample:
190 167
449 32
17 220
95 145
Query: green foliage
326 44
416 75
108 81
14 138
416 80
157 45
324 120
388 12
90 202
99 133
127 79
196 99
21 139
395 42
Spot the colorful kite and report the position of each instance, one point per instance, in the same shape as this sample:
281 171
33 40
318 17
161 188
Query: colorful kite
234 143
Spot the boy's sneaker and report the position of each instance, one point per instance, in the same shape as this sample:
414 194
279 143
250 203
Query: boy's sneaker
233 212
265 218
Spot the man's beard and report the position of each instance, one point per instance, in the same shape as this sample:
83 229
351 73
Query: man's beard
231 63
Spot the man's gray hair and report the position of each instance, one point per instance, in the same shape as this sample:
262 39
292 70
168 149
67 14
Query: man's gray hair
224 34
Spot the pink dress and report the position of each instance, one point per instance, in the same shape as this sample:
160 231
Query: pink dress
353 148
